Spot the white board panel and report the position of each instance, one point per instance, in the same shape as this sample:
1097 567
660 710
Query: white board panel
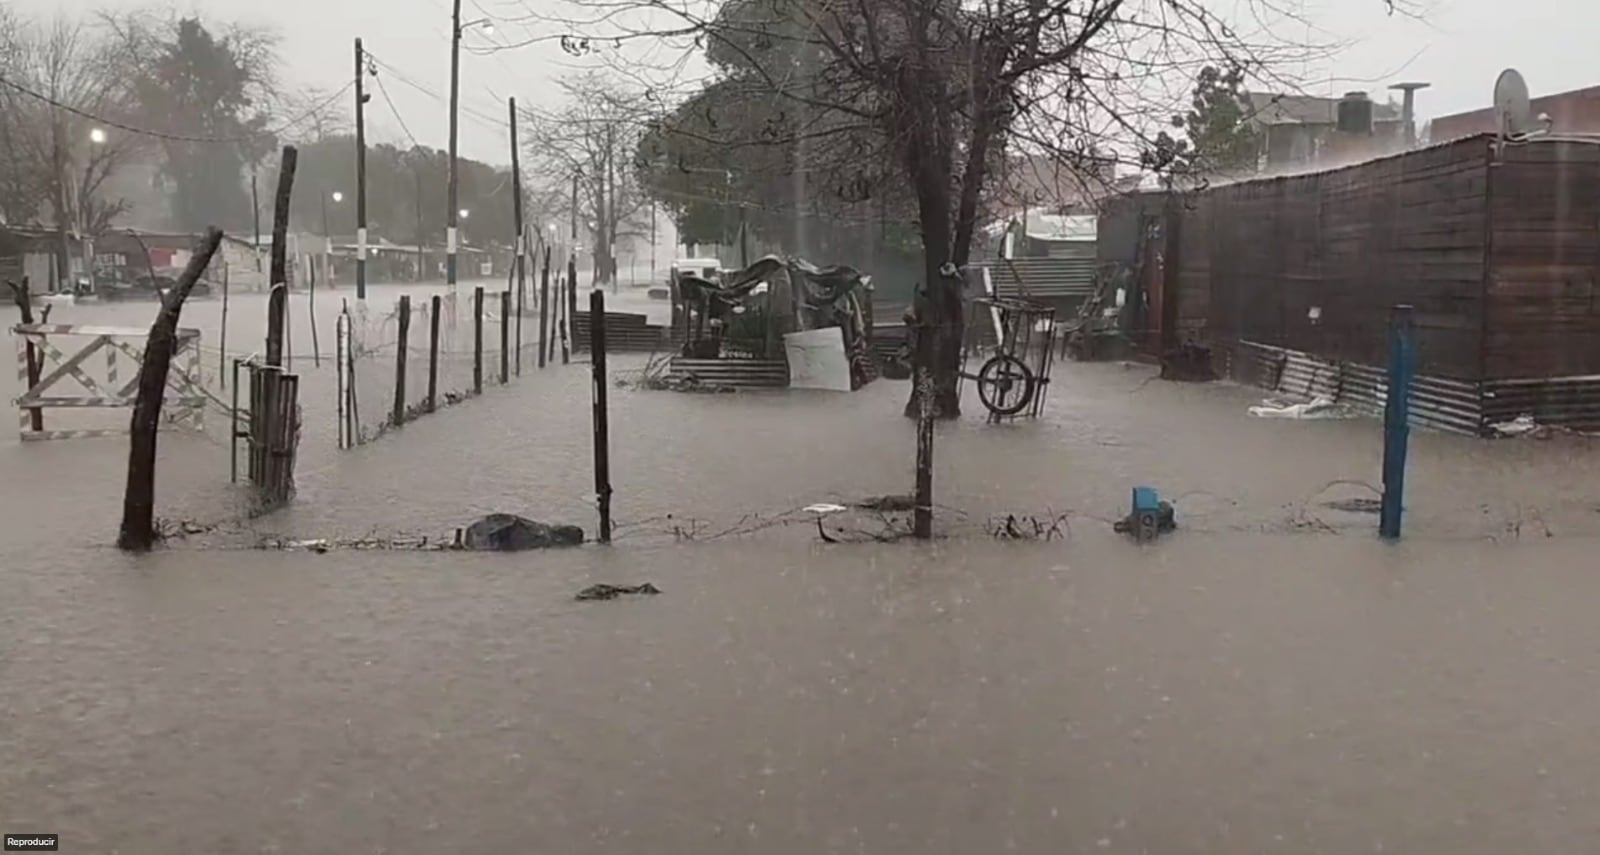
817 360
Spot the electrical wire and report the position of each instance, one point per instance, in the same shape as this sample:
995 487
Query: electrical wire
384 91
499 125
112 123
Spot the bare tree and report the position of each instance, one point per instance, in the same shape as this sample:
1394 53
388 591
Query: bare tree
318 115
57 158
942 93
590 142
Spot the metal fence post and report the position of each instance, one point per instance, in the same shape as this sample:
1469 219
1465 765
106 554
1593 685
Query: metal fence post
602 426
505 337
433 354
402 351
477 340
1396 417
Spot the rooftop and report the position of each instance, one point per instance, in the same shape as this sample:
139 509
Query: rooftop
1280 109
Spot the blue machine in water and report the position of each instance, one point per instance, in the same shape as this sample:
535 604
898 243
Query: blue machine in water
1148 517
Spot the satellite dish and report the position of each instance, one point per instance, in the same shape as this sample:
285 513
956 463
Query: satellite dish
1511 104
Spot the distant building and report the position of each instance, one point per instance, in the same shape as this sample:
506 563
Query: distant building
1300 130
1574 112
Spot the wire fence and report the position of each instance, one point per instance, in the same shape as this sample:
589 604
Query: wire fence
422 354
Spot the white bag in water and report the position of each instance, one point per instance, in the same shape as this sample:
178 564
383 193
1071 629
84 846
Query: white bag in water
1320 407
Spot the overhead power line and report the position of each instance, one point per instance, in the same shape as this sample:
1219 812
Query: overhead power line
384 90
122 126
498 124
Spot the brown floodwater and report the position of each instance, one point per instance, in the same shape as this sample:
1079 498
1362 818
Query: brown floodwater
1270 678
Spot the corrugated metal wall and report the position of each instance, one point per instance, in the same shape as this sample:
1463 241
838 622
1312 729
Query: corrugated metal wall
1055 278
1544 260
1315 262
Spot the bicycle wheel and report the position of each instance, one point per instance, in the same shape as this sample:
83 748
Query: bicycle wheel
1005 385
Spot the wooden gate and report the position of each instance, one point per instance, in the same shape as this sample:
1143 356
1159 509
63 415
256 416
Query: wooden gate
270 429
54 366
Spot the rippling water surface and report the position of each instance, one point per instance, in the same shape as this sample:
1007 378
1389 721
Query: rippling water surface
1269 678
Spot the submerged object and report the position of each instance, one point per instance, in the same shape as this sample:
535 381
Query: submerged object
1149 516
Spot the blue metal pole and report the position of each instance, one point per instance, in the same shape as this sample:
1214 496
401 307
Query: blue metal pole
1396 417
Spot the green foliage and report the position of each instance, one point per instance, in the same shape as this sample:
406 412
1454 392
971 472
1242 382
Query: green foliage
215 87
1219 137
400 184
807 181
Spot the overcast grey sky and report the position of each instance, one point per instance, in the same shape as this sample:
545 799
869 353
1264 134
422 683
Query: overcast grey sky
1459 46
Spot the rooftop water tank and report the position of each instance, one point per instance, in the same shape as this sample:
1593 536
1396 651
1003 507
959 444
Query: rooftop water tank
1355 114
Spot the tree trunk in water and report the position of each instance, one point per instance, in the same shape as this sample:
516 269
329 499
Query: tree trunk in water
139 500
277 299
938 308
32 357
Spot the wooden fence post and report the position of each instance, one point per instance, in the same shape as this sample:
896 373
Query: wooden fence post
401 352
477 340
922 515
572 297
567 330
602 427
139 499
544 307
233 432
433 354
277 302
505 337
32 357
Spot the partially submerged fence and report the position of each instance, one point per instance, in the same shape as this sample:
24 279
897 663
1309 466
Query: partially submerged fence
269 430
426 352
87 369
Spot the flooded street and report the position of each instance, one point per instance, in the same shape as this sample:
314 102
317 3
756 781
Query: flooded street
1270 678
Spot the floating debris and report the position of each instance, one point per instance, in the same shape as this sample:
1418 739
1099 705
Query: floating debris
511 533
611 592
888 503
1013 527
1320 407
1355 506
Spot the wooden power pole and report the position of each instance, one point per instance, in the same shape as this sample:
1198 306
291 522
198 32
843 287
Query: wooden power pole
361 174
522 243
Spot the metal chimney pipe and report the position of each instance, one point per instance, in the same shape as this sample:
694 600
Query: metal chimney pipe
1408 109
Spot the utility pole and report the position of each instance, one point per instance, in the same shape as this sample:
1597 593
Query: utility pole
327 238
361 175
744 241
255 206
455 96
421 260
522 243
574 249
609 224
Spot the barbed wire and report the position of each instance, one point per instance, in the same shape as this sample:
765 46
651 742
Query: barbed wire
132 129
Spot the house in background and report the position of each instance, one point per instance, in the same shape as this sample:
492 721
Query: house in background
1573 112
1299 131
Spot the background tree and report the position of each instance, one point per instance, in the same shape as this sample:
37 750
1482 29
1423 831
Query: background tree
56 162
1219 138
195 83
592 138
944 91
402 183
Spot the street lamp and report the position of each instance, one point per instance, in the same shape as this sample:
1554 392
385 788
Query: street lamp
97 136
456 28
464 213
327 236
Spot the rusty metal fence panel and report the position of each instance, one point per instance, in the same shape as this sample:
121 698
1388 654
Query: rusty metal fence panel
270 429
